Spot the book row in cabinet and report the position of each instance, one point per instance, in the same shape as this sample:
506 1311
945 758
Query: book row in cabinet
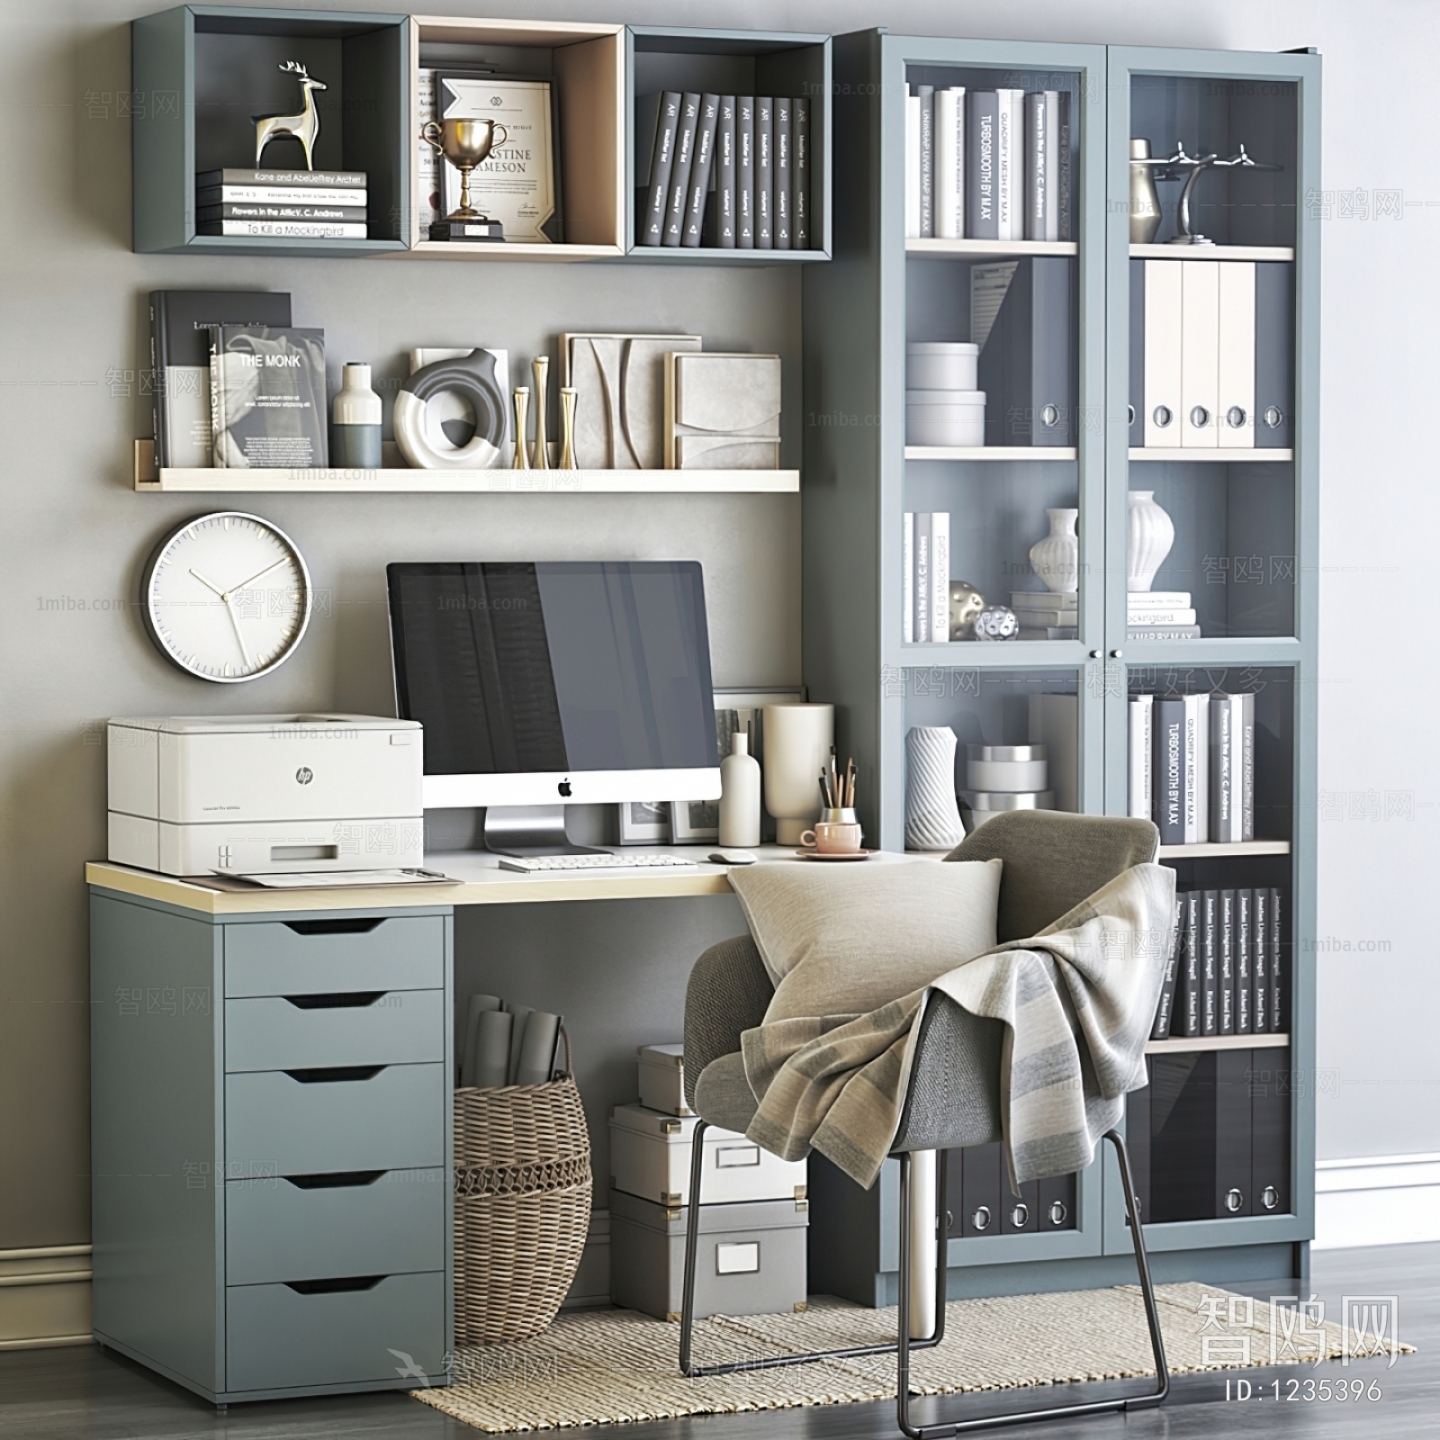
556 131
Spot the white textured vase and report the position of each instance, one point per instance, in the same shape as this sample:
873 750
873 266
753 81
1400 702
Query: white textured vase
1056 558
1152 533
797 741
932 817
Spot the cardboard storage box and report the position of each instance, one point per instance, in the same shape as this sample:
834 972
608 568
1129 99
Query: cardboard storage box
751 1261
650 1157
662 1079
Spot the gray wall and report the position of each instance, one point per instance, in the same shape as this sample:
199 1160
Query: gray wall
74 535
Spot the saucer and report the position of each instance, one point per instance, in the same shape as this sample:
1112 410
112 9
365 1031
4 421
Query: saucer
835 855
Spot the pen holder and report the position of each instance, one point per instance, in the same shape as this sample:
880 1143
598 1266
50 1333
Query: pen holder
838 815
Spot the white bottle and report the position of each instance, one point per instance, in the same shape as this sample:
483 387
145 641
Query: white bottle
740 794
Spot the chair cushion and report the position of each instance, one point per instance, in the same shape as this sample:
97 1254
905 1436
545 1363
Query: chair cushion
722 1094
728 992
847 939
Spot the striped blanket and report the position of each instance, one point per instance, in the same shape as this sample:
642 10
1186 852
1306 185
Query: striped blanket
1077 1002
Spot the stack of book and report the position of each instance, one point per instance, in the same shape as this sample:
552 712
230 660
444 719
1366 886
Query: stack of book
1046 614
1192 766
730 171
1161 615
987 165
282 204
1224 975
926 577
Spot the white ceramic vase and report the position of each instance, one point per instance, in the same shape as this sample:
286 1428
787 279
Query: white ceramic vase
1152 533
1056 558
932 817
740 794
797 741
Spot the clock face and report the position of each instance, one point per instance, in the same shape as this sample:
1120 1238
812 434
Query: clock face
227 597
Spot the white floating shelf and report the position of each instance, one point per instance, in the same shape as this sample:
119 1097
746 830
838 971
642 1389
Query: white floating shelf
939 249
1215 849
1181 456
1183 1045
1212 252
508 250
990 452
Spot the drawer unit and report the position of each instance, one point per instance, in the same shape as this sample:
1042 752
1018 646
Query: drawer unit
751 1261
311 957
355 1027
650 1157
279 1336
319 1227
304 1122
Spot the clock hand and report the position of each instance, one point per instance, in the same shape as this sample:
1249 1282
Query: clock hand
208 584
246 584
235 621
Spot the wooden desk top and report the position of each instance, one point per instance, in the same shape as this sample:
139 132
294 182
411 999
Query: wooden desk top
482 882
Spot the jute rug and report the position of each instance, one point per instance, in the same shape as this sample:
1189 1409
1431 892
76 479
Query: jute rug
596 1367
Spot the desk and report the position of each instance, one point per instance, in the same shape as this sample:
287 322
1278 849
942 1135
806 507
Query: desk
211 1085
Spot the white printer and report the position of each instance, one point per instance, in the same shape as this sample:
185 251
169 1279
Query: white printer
265 794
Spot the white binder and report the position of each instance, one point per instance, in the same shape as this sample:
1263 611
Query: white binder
1236 411
1200 353
1162 353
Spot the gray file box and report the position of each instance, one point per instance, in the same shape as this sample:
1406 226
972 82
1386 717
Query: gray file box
752 1257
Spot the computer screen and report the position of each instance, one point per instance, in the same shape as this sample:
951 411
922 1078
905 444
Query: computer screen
566 681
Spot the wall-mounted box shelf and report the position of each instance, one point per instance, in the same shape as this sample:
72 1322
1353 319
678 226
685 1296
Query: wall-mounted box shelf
204 71
990 452
943 249
732 62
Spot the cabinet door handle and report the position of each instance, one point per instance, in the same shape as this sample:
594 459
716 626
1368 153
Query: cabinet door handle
345 1000
333 1074
329 1287
341 925
337 1180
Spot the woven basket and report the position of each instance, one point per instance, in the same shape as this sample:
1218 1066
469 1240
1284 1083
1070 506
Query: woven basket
522 1205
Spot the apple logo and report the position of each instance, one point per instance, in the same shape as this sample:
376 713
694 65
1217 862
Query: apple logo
565 788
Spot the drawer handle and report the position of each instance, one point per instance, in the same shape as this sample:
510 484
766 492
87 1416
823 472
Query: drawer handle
331 1074
343 925
347 1000
339 1179
330 1287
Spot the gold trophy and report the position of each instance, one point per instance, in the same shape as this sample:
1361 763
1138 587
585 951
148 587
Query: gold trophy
465 144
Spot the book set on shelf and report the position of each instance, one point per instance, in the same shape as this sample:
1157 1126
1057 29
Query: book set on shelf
291 204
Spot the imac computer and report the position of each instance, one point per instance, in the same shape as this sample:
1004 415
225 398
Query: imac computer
541 685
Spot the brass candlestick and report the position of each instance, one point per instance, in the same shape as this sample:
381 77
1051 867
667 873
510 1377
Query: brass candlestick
568 396
522 413
541 366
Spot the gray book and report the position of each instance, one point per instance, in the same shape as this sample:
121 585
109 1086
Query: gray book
1169 769
1064 171
725 175
982 128
701 170
1042 144
927 159
1244 962
784 173
657 120
680 171
744 172
800 173
1210 961
764 173
1260 960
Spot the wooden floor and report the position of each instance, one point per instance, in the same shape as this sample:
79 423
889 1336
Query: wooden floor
80 1394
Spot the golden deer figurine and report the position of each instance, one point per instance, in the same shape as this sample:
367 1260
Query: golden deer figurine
304 127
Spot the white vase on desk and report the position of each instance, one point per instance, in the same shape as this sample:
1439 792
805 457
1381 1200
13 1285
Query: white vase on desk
797 748
740 794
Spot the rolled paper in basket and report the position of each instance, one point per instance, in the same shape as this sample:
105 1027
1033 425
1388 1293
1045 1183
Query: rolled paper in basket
519 1014
492 1049
537 1054
477 1006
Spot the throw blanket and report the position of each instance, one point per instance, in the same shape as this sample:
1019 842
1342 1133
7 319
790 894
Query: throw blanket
1077 1001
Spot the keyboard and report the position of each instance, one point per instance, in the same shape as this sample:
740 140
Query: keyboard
543 864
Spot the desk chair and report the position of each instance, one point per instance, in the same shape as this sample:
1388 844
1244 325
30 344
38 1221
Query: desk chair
1052 862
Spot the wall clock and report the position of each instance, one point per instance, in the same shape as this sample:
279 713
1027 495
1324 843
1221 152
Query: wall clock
226 597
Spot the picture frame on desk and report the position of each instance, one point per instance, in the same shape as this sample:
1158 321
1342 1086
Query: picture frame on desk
644 822
694 822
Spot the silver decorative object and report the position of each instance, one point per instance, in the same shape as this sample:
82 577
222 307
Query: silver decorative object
932 817
1145 212
522 417
997 622
568 396
540 457
1172 167
966 602
304 127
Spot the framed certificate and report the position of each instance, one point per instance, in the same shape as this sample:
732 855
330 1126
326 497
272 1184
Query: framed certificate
519 184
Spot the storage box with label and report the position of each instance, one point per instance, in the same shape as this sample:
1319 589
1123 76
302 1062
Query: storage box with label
751 1261
662 1078
650 1157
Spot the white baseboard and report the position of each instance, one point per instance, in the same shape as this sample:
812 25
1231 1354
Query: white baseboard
44 1297
1380 1200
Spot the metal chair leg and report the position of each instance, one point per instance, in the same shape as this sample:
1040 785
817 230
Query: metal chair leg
1054 1412
688 1367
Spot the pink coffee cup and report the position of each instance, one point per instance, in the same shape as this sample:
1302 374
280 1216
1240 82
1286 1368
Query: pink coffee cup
833 837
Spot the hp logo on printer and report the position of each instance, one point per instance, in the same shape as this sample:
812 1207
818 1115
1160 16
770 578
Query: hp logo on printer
304 774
